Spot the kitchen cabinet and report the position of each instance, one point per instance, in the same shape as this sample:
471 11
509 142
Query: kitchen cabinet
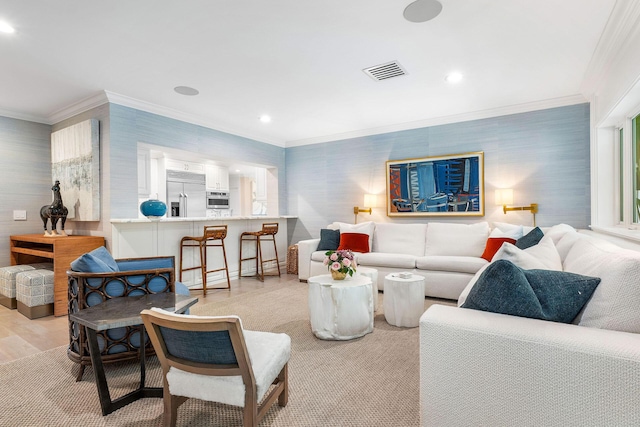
261 184
217 177
144 173
184 166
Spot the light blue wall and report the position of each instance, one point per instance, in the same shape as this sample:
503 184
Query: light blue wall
543 155
25 178
129 126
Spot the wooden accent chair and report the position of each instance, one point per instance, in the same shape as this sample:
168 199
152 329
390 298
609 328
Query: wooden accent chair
218 347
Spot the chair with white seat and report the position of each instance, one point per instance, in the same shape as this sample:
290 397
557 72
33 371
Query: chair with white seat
212 358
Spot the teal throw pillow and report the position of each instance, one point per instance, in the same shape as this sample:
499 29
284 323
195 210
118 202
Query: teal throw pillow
539 294
532 238
97 261
329 240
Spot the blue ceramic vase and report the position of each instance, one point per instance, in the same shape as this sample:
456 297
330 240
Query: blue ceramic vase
153 209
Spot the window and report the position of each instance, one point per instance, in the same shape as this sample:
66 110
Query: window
628 169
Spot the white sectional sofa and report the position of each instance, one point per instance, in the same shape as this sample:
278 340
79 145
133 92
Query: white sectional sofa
447 255
480 368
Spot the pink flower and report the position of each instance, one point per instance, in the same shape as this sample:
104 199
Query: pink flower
346 262
335 266
326 261
334 256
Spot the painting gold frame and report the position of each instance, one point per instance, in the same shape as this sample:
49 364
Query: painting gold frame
449 185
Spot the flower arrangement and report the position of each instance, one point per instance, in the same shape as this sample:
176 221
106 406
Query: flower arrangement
340 263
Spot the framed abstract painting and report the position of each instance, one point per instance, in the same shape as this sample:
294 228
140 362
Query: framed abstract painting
451 185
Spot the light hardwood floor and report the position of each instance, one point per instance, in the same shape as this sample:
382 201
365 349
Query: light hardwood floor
20 337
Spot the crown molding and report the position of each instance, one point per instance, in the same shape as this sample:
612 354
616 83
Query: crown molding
148 107
26 117
616 36
456 118
78 108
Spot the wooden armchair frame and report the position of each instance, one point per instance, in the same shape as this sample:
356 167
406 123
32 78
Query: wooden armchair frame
253 413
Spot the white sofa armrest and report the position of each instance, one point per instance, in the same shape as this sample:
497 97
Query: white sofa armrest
305 249
480 368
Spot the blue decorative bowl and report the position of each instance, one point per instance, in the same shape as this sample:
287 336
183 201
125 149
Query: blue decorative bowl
153 209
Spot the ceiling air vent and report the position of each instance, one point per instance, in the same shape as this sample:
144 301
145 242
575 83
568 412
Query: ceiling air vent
385 71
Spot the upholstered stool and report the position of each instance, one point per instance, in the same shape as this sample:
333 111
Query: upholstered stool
268 233
34 293
213 236
8 281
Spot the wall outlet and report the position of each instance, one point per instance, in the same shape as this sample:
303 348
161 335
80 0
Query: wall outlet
20 215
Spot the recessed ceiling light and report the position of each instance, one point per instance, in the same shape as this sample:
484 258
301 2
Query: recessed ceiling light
6 28
422 10
453 77
265 119
186 90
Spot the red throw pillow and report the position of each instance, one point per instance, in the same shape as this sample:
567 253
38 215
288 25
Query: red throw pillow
493 244
357 242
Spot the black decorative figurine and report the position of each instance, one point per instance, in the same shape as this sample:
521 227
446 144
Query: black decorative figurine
55 211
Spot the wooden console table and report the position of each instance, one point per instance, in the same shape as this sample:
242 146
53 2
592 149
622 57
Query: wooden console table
61 250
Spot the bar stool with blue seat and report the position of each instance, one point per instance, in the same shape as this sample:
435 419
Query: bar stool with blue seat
267 233
213 236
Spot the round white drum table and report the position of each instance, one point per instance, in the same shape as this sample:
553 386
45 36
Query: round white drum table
340 309
372 274
403 300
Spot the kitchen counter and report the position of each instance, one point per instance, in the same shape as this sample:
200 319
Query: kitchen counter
141 237
201 219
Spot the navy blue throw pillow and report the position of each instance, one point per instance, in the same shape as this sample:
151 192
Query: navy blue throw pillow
329 240
538 294
532 238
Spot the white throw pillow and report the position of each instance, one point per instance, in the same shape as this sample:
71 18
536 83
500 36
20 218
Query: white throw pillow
456 239
615 302
558 231
363 228
503 229
542 256
566 242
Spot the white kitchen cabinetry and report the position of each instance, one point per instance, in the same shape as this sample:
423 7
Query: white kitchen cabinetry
261 184
180 165
217 177
144 173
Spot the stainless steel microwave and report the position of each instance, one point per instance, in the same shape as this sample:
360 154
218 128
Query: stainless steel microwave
217 200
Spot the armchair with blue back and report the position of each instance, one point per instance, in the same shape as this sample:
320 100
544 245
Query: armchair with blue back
96 277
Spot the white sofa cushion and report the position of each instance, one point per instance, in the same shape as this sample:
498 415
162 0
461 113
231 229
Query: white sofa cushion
566 242
364 228
456 239
506 227
400 238
378 259
558 231
458 264
614 304
514 231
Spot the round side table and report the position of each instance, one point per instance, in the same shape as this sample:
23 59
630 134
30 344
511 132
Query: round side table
340 309
372 274
403 300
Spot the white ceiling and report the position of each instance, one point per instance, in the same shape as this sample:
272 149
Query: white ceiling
299 61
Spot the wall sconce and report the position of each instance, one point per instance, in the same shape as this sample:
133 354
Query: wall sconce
369 203
504 197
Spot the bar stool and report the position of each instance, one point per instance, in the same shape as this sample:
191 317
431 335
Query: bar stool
209 238
268 232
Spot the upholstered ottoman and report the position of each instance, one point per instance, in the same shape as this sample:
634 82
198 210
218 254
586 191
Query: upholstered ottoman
8 281
34 293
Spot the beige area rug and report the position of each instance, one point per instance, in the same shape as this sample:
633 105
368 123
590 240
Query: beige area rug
369 381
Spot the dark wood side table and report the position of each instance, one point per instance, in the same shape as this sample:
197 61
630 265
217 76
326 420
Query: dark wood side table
120 312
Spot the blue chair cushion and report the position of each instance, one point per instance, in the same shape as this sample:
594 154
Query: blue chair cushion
552 295
97 261
145 264
199 346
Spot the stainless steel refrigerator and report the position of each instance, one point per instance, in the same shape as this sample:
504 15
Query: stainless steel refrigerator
186 194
